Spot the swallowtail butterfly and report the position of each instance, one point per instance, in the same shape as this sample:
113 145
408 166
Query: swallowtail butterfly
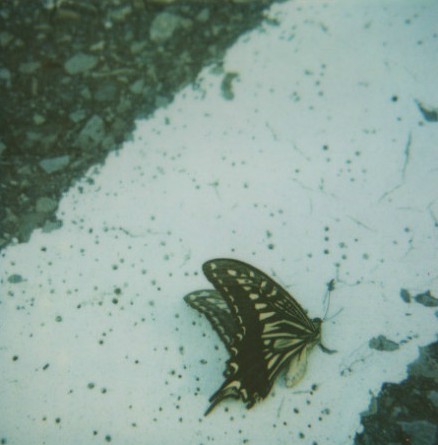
262 326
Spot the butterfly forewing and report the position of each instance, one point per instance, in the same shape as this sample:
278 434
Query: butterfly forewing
272 329
232 277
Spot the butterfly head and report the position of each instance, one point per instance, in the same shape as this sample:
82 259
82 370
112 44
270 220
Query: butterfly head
317 322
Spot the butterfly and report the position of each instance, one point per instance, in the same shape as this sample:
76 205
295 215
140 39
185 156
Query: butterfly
262 326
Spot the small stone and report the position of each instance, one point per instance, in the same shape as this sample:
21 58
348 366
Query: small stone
5 76
405 295
93 132
85 93
98 46
161 101
29 67
137 47
25 170
45 205
77 116
106 92
15 278
381 343
11 218
50 4
5 38
27 224
421 432
203 16
137 86
51 165
80 63
433 397
33 137
426 366
50 226
430 114
227 85
121 13
165 24
38 119
426 299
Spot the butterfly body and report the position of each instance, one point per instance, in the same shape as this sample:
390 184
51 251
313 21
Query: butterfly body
261 324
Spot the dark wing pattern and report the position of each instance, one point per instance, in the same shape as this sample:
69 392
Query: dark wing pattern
211 303
273 330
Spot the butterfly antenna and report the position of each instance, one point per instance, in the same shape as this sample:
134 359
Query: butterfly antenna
330 288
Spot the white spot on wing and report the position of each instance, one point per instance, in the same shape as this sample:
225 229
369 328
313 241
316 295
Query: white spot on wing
265 315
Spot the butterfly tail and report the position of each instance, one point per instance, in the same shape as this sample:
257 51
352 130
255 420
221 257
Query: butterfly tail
228 389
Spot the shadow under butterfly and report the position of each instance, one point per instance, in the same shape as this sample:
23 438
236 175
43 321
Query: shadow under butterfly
262 326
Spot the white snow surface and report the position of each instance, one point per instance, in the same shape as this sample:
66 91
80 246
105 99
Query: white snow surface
321 166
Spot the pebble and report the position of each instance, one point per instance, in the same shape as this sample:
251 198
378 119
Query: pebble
381 343
77 115
137 87
420 432
29 67
165 24
80 63
45 205
5 38
426 299
5 76
51 165
38 119
15 278
92 133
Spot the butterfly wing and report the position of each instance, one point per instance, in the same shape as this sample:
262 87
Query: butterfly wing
211 303
273 330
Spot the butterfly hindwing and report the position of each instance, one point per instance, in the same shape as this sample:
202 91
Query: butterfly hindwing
273 330
211 303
